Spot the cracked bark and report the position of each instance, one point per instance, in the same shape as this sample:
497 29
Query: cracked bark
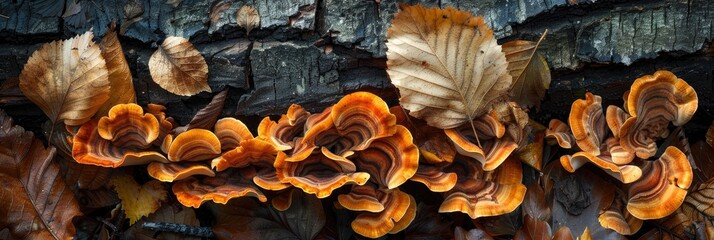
337 47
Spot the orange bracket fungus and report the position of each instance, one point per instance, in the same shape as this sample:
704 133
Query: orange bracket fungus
128 126
662 188
224 186
231 132
283 133
384 212
90 148
653 102
480 194
194 145
560 131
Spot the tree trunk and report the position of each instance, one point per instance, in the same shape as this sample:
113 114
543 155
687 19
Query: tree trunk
312 52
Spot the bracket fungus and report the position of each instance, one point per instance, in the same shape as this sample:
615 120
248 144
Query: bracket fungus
231 132
614 215
128 126
318 174
653 102
496 144
384 212
90 148
560 131
390 161
256 154
587 123
170 172
224 186
662 188
194 145
282 134
480 194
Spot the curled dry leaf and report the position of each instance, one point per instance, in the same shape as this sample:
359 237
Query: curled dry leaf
531 76
37 204
138 200
67 79
447 65
122 87
247 17
247 219
179 68
206 117
133 12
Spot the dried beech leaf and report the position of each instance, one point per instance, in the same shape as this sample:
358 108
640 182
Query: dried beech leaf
67 79
217 10
447 65
245 218
247 17
138 200
179 68
208 115
36 202
702 198
530 72
535 203
133 12
122 87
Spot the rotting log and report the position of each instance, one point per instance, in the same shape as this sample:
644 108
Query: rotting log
312 52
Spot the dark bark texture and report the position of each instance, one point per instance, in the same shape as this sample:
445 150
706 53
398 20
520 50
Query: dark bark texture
312 52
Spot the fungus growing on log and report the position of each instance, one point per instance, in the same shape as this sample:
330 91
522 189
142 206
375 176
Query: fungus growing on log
282 134
231 132
194 145
560 131
128 126
170 172
90 148
384 212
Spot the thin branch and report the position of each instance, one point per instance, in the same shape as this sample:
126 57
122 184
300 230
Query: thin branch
179 228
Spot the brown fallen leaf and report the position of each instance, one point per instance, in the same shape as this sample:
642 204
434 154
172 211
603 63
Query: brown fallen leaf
247 17
37 204
122 87
138 200
217 10
245 218
67 79
179 68
133 12
446 64
530 72
207 116
166 214
710 135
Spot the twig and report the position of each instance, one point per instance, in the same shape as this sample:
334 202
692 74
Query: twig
179 228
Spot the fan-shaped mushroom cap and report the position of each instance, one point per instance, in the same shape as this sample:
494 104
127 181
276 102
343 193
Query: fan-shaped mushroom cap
390 161
655 101
192 192
165 123
434 146
611 153
169 172
663 188
434 178
231 132
255 153
615 117
616 217
283 133
481 194
362 198
587 123
399 211
497 145
560 131
194 145
353 123
318 174
89 148
128 126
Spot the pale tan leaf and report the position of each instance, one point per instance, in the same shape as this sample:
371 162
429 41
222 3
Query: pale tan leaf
179 68
447 65
530 72
122 87
217 11
138 200
247 17
67 79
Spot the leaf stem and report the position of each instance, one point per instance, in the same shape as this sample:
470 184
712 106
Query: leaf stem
473 128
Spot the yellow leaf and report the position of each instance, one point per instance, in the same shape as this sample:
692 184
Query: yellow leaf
447 65
138 201
247 17
179 68
67 79
122 87
586 235
530 72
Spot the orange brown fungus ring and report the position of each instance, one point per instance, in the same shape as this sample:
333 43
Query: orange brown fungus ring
128 126
89 148
654 101
663 187
318 174
194 145
587 123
